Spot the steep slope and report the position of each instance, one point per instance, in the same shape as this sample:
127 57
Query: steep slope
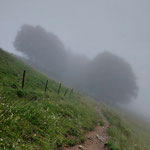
33 119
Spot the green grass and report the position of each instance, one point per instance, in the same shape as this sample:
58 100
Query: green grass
124 133
101 122
31 119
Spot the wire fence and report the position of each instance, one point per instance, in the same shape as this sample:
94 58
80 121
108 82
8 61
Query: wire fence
46 86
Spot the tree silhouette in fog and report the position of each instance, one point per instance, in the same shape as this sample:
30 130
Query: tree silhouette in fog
43 48
107 77
111 78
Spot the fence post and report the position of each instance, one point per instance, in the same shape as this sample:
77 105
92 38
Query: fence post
65 92
46 85
23 78
59 88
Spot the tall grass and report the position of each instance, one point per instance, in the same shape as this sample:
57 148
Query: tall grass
33 119
124 134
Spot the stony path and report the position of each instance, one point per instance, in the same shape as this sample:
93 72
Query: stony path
95 140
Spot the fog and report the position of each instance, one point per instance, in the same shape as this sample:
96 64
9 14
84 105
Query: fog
89 28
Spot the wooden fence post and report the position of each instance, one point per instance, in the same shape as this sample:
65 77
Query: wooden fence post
65 92
23 78
59 88
46 85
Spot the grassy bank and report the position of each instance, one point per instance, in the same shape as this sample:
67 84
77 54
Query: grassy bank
33 119
125 134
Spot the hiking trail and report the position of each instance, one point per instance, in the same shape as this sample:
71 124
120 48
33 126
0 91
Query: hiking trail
96 139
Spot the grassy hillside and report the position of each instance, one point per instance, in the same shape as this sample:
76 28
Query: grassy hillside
31 119
125 132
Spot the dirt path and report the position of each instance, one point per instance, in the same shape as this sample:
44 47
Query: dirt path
93 141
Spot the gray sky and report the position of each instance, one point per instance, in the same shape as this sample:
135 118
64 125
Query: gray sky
89 27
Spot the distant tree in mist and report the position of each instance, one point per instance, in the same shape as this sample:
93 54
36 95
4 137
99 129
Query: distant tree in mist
43 49
107 77
111 79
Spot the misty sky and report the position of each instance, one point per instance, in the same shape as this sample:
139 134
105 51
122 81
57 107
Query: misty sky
89 27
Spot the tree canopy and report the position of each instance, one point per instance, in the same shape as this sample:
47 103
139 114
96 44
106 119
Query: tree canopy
107 77
42 48
111 78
